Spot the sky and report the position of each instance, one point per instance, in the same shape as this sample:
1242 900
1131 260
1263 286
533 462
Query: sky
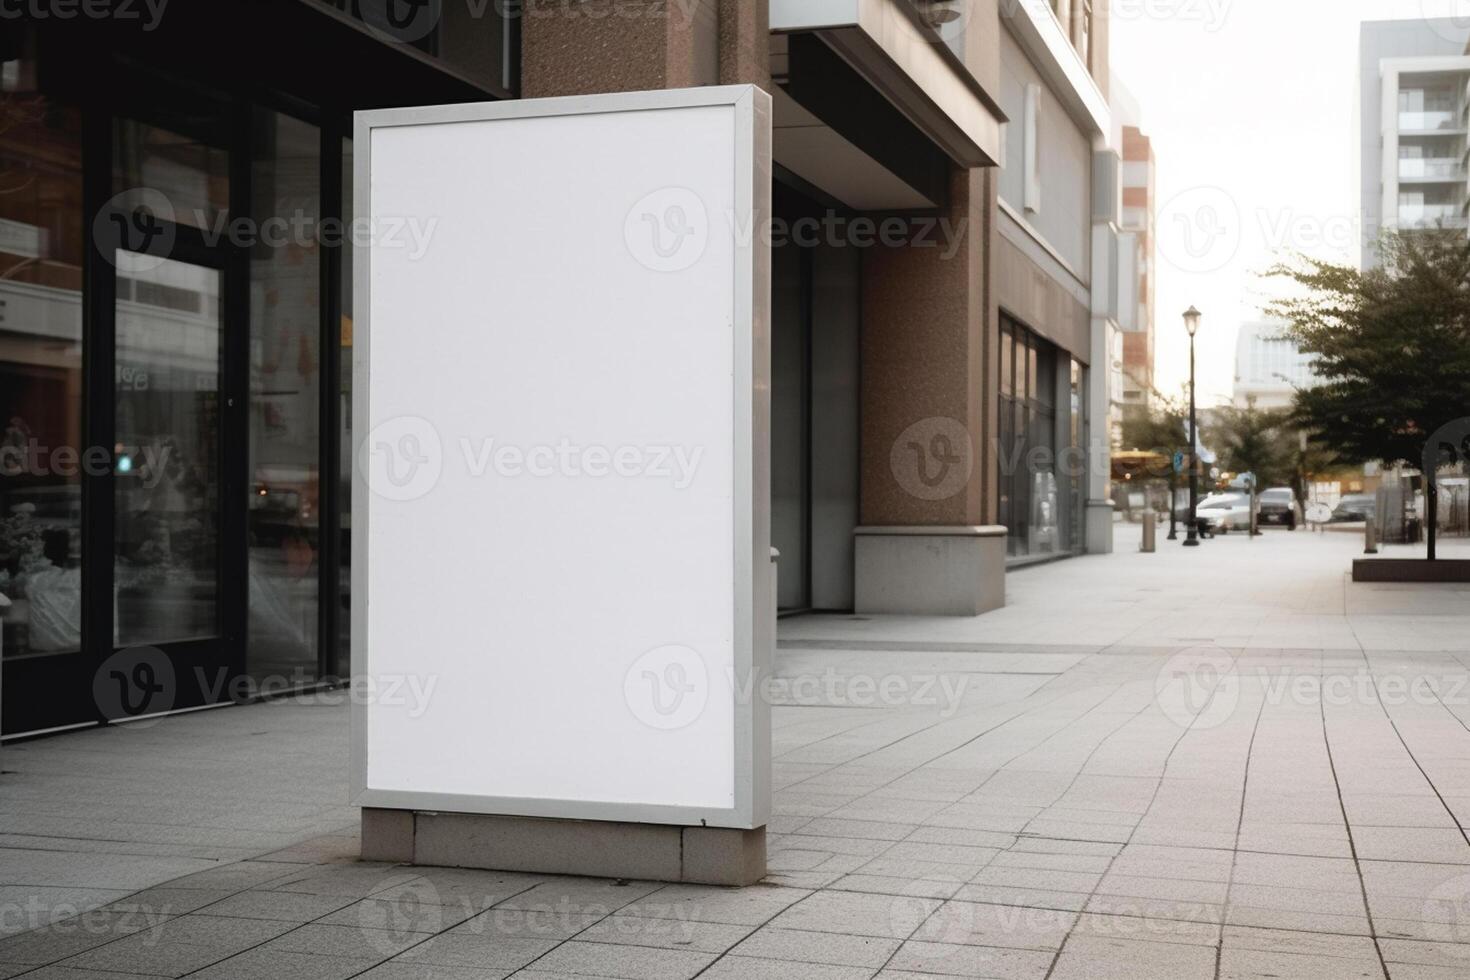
1251 106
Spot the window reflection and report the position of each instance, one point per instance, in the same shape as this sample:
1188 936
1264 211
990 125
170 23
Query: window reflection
191 171
41 247
166 470
1030 495
285 373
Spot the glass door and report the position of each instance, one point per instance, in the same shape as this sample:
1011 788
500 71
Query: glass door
171 599
166 599
169 402
169 333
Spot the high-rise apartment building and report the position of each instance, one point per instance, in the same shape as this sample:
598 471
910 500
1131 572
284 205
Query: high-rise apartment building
1412 127
1136 250
1269 367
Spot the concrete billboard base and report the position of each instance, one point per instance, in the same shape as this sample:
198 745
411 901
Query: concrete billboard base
594 848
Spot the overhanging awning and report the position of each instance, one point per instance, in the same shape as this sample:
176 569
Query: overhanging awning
882 41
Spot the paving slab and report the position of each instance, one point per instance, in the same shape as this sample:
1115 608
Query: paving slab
1229 762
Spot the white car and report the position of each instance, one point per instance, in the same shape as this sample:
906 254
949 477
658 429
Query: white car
1226 512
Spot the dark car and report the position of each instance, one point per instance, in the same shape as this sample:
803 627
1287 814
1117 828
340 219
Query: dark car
1354 507
1278 506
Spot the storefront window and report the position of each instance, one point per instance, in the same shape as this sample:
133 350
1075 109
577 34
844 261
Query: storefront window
1033 493
166 474
478 40
41 452
1076 471
186 163
285 377
790 486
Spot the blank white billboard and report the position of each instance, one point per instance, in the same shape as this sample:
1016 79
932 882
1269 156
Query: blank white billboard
560 580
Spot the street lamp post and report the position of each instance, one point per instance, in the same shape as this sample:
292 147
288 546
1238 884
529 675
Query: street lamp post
1191 540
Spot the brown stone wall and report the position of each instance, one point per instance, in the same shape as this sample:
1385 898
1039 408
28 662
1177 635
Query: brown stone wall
927 326
745 42
591 46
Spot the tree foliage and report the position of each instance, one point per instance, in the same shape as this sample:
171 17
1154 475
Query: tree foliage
1152 430
1252 440
1161 426
1392 345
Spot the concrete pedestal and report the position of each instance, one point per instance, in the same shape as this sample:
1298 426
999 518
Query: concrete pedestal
930 571
1099 527
597 848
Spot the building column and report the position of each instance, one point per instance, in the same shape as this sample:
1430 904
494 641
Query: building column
928 543
608 46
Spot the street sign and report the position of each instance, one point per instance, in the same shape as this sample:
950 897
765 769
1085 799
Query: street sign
1318 513
1178 461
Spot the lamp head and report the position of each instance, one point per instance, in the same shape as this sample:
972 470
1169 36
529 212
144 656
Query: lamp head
1191 320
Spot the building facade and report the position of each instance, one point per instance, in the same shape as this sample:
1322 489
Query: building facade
1269 367
1055 266
1412 127
175 515
1137 244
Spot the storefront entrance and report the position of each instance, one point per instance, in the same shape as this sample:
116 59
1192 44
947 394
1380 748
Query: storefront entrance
814 400
173 332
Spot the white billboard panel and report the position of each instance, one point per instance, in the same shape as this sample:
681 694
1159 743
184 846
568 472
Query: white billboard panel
561 585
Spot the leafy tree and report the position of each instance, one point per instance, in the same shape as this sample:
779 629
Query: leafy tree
1310 459
1392 345
1154 429
1161 426
1252 440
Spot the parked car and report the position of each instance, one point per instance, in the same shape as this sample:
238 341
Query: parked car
1225 512
1278 506
1354 507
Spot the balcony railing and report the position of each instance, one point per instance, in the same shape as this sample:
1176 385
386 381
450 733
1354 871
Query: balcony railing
1446 167
1420 122
1431 216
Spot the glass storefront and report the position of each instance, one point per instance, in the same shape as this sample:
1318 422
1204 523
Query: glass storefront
284 521
1042 483
176 340
1076 470
164 266
41 257
170 333
815 289
790 428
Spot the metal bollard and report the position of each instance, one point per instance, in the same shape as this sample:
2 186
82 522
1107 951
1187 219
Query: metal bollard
1150 529
1370 537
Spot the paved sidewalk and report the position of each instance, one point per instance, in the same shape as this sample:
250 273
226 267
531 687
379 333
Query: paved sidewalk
1222 763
